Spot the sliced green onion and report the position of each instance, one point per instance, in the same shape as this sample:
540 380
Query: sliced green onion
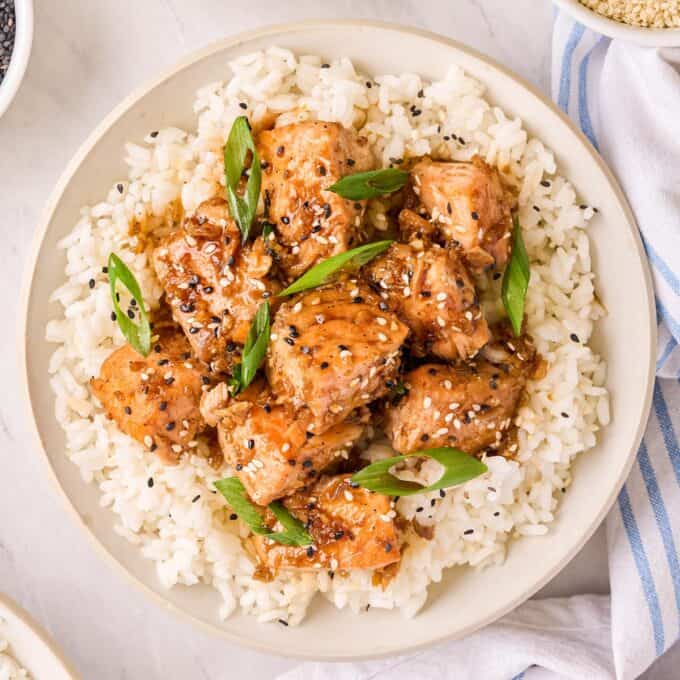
322 272
294 531
239 143
138 335
458 466
371 184
254 350
516 279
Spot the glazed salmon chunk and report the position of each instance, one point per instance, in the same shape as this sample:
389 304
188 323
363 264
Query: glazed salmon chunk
212 283
271 447
431 291
154 399
471 207
352 528
334 349
300 162
470 406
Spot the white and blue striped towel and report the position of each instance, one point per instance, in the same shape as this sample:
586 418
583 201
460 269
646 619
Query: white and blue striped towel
627 101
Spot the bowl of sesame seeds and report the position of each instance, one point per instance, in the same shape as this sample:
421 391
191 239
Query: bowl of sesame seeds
653 23
16 37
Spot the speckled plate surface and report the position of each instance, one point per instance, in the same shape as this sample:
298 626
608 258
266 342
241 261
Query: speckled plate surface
465 599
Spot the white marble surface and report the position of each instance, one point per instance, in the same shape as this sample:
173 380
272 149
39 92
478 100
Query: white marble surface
87 55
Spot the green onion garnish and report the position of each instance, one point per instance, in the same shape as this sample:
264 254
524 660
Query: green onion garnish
254 350
236 149
459 467
516 279
138 335
294 531
370 184
320 273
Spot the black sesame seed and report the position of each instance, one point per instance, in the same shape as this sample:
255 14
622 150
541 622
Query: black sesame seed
170 426
290 341
326 210
350 162
467 532
574 337
324 365
545 183
369 85
307 463
496 514
153 447
154 134
309 434
357 300
267 408
187 307
325 65
474 214
105 270
496 276
239 467
91 283
208 289
292 462
322 170
285 219
149 482
131 313
120 188
113 316
536 208
281 150
338 534
460 283
564 414
196 498
343 348
250 443
194 329
425 293
283 622
231 346
169 380
388 547
205 379
424 437
128 410
310 551
231 260
162 406
316 228
233 516
420 508
243 105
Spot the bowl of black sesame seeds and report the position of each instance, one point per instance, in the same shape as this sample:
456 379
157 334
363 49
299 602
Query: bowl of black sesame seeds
16 36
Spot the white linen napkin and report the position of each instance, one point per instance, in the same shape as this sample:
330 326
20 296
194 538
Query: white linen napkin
626 99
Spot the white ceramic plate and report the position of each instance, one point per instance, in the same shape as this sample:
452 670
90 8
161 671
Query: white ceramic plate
29 644
650 37
466 599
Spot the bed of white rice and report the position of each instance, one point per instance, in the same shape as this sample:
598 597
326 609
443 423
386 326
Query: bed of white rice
194 542
10 669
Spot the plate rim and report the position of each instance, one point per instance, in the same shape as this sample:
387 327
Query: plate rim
30 272
18 612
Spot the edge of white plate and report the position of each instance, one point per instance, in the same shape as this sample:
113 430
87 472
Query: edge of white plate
87 146
38 632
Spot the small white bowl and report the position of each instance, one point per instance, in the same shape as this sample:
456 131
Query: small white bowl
23 39
649 37
30 646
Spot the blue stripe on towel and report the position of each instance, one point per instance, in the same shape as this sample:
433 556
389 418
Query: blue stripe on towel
644 571
666 272
668 350
583 112
664 315
667 430
565 78
662 520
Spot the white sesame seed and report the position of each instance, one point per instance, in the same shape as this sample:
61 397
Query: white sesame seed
176 448
320 318
382 337
441 296
427 402
348 496
407 291
210 248
454 405
468 315
297 307
441 431
345 354
456 424
285 447
381 320
441 321
148 441
448 384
